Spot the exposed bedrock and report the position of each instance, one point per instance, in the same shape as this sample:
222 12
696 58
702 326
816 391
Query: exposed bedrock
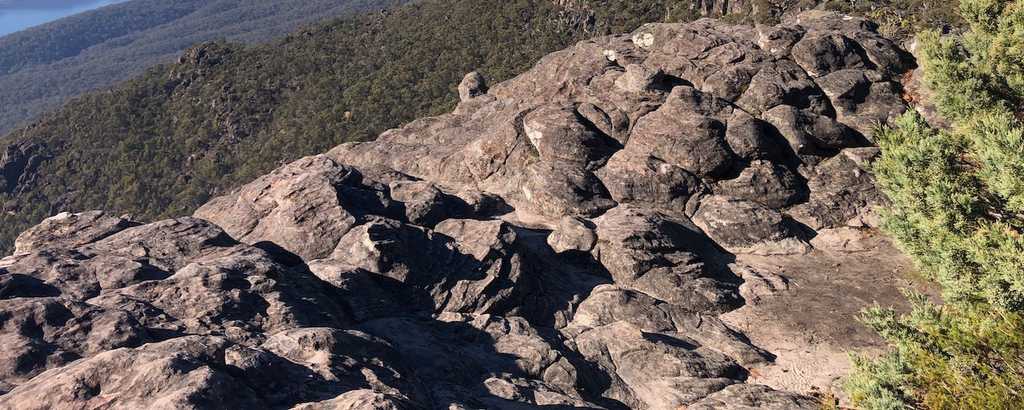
566 238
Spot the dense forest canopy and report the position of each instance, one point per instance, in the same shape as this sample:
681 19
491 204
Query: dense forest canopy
43 66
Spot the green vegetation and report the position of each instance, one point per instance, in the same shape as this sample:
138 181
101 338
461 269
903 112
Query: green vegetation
902 18
957 201
43 66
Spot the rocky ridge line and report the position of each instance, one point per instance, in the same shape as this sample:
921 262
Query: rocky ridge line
565 239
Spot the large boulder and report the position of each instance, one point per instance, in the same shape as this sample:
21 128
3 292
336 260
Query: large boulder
304 207
766 183
68 230
559 133
648 252
646 179
573 234
742 226
686 132
843 192
654 371
463 266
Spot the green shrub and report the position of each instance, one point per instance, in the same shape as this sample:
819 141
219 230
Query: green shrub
957 196
901 18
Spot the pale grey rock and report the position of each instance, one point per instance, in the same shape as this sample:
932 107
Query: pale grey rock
304 207
843 239
133 255
573 234
638 78
473 85
43 333
241 295
68 230
742 226
172 374
364 399
755 397
778 40
645 251
609 304
758 284
654 371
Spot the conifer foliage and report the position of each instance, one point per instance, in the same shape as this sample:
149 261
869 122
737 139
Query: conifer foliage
958 209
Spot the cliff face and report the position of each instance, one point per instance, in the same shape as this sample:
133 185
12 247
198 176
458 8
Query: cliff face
568 238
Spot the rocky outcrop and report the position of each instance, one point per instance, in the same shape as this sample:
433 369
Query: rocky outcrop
567 238
19 164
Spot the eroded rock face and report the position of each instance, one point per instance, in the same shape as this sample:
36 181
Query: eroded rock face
304 207
68 230
19 164
567 238
742 226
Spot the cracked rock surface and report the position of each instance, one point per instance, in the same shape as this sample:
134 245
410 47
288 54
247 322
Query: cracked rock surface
567 239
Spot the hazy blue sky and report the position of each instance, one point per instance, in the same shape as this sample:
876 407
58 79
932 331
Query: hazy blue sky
18 15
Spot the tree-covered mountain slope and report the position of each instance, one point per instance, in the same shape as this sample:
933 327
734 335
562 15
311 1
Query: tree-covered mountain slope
43 66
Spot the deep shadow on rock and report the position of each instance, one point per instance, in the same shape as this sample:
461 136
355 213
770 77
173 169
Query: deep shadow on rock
565 239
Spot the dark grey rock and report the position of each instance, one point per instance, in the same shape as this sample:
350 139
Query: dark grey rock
19 164
766 183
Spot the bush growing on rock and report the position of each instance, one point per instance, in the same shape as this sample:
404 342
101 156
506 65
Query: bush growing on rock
957 198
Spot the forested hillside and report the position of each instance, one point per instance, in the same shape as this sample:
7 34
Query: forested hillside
41 67
163 143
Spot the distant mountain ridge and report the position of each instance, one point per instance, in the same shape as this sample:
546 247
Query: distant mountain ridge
13 4
41 67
